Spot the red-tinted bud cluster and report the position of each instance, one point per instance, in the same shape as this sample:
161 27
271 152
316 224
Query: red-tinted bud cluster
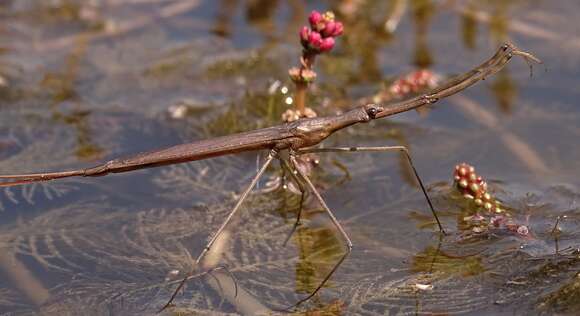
319 38
474 187
414 82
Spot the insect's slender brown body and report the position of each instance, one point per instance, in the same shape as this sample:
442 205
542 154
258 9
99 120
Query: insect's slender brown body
297 137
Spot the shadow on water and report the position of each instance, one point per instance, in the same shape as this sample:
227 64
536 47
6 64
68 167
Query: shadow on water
85 81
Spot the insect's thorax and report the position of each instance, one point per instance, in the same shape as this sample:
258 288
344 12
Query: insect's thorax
310 132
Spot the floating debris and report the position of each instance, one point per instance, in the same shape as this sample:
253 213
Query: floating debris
423 287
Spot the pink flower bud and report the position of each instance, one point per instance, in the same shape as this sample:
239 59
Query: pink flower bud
329 29
328 16
314 40
304 34
294 73
308 75
315 18
327 44
338 30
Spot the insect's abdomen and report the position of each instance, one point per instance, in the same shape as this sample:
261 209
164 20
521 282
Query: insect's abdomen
265 138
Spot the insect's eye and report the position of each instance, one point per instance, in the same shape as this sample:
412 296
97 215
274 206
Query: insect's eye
372 112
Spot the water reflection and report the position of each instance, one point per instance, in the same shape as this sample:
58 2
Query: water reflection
319 251
469 26
261 15
364 40
223 19
433 260
62 88
423 12
505 91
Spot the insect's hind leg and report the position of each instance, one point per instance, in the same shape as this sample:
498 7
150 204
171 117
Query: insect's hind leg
402 149
287 168
348 244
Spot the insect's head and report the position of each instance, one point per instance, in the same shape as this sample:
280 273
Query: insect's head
373 110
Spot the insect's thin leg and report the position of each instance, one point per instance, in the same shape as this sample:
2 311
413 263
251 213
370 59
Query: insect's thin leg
402 149
271 156
273 153
188 277
347 241
286 167
283 171
219 284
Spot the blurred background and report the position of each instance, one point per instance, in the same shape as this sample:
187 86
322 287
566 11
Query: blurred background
82 82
